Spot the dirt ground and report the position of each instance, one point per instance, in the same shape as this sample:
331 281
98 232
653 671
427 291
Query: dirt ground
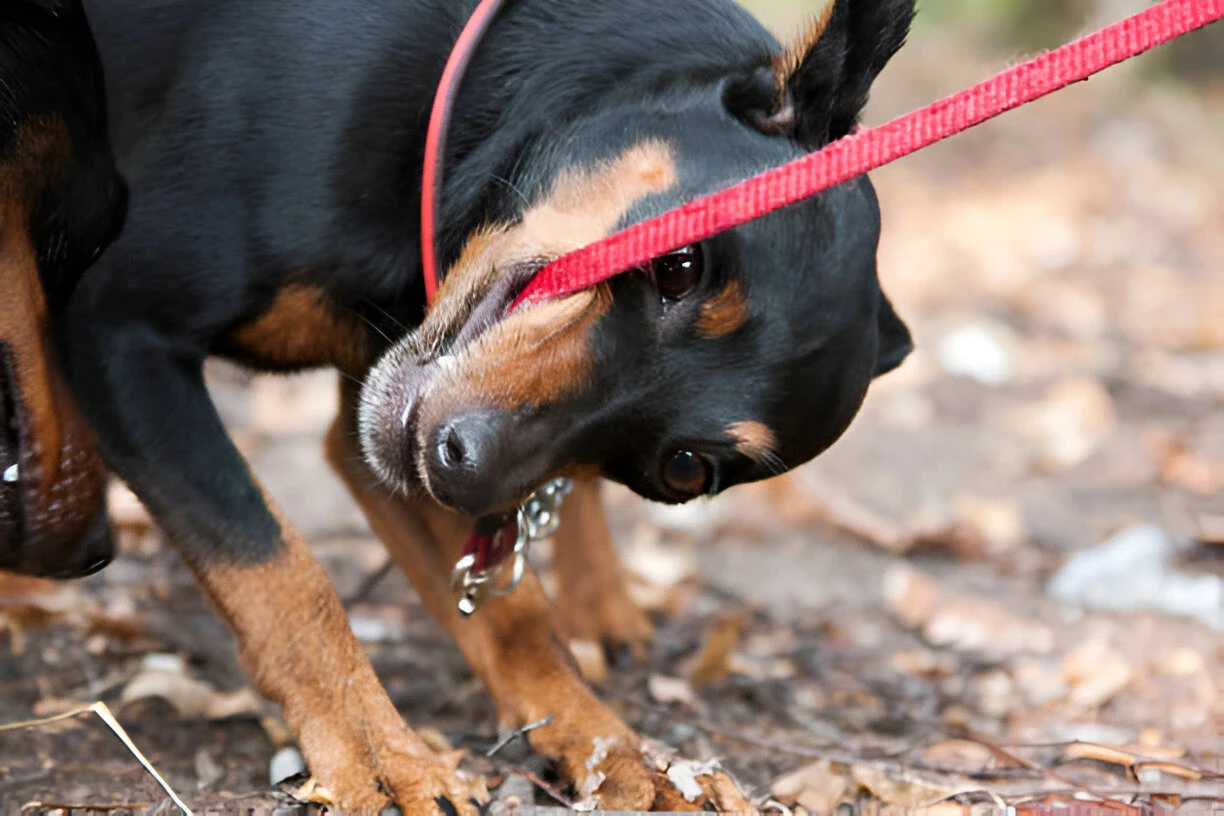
1005 584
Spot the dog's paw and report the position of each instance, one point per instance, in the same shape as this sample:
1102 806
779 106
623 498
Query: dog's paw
698 786
686 785
652 778
409 786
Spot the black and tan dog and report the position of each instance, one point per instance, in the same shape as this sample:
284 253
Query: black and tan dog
274 151
61 203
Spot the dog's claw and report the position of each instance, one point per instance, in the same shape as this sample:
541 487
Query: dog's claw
445 805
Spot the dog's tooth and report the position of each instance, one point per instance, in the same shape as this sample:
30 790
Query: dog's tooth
11 473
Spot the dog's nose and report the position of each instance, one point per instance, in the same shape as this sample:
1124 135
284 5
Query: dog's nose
463 460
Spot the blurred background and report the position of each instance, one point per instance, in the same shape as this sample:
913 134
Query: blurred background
1007 576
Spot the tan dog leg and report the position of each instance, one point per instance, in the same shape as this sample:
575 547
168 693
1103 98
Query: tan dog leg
294 640
512 646
593 600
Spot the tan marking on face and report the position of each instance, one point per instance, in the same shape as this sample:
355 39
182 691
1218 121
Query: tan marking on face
787 63
724 313
539 353
537 358
584 205
304 329
62 478
753 439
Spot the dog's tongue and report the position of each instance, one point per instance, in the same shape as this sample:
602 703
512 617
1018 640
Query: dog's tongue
492 540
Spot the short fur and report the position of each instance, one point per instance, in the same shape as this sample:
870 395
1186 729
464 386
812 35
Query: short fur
275 156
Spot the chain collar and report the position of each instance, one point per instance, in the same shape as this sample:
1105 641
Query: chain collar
538 518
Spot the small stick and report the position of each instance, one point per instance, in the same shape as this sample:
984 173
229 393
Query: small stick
535 780
367 586
513 735
105 715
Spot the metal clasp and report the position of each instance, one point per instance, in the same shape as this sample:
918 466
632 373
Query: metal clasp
538 518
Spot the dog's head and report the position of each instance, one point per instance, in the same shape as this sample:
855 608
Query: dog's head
61 203
721 363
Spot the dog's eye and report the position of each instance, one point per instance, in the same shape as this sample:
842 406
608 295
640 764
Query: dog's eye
677 273
687 473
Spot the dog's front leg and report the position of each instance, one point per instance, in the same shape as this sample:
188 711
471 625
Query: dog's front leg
593 600
512 645
159 430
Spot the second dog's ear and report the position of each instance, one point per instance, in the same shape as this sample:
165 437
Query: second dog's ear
816 89
895 340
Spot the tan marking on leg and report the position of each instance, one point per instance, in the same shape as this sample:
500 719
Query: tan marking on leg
302 328
295 642
593 600
724 313
753 439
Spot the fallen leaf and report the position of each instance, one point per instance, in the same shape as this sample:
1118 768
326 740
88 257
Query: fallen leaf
1000 522
960 621
683 776
713 663
1069 424
208 772
1095 673
817 788
165 677
670 690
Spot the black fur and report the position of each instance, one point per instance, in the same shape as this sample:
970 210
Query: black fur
269 144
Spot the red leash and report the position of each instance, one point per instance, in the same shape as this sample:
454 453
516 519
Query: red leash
435 137
839 162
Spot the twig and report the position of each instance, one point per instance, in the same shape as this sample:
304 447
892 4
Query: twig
1009 756
105 715
552 792
1071 750
367 586
513 735
88 808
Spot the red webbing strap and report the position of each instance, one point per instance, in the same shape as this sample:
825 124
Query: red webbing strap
435 137
869 149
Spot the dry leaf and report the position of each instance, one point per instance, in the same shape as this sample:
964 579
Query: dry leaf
1069 424
671 690
1095 673
999 521
713 664
817 788
165 677
958 620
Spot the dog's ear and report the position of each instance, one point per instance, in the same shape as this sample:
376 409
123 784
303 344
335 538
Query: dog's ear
818 86
895 342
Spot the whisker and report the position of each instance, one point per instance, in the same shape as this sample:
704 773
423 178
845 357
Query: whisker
510 184
389 316
368 322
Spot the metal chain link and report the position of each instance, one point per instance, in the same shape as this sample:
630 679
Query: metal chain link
538 518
